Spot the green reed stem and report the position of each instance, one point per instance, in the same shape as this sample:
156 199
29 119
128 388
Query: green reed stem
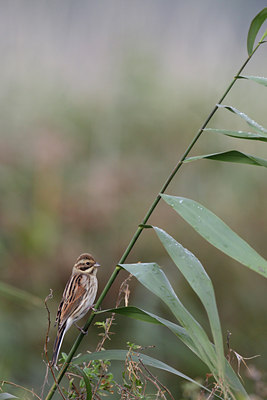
140 228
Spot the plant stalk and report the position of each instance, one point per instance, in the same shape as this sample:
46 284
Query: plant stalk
140 228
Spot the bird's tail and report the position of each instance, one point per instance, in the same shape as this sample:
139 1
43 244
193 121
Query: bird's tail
58 342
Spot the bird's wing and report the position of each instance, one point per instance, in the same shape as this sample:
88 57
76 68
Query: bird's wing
72 297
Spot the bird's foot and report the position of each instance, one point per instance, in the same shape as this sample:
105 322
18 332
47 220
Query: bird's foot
81 329
95 309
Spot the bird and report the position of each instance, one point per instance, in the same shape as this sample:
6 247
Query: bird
78 297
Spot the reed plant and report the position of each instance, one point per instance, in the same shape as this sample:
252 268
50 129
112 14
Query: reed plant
226 381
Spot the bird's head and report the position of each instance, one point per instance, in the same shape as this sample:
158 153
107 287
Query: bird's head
86 264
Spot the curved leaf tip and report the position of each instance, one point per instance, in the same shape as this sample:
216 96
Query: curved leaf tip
5 396
254 29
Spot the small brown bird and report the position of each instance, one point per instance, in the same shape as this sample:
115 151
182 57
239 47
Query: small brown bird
78 297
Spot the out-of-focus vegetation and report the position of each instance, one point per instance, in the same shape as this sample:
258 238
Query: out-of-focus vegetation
97 104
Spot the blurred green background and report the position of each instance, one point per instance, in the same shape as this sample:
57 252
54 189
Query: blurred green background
98 101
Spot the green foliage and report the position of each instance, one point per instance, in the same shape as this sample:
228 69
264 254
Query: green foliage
134 361
232 156
94 374
239 134
142 315
200 282
93 370
121 355
258 128
89 375
216 232
154 279
254 29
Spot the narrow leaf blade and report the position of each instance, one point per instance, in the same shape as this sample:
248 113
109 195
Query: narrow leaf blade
120 355
5 396
232 156
137 313
254 29
200 282
258 128
154 279
258 79
216 232
86 381
240 134
142 315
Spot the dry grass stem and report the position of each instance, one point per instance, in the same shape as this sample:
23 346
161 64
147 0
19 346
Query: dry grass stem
48 364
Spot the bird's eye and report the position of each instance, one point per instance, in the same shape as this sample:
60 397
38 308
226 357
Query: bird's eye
88 263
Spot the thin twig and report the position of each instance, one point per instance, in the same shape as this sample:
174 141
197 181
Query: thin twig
48 297
48 365
123 390
21 387
242 359
73 386
124 292
155 383
156 379
239 358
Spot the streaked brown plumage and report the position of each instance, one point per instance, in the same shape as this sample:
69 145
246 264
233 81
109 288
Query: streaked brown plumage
78 297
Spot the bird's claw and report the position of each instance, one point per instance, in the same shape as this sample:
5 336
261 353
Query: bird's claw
94 309
81 329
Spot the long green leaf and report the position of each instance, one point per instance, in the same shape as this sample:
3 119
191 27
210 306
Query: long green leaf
240 134
19 295
137 313
86 381
232 156
258 79
154 279
142 315
215 231
120 355
258 128
254 29
200 282
5 396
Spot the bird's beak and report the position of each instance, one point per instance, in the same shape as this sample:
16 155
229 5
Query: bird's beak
97 265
